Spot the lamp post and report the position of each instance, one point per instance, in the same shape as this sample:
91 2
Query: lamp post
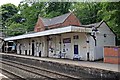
93 34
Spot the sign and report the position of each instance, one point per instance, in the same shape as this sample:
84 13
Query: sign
116 49
67 40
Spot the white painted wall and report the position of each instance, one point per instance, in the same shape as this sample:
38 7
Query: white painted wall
81 42
40 44
54 46
83 45
102 41
67 47
91 48
26 44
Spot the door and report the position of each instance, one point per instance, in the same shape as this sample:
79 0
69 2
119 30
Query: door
33 48
88 56
75 49
25 52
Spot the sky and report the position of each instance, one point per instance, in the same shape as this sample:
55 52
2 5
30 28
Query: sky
15 2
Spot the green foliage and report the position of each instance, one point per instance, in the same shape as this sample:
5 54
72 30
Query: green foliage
30 14
86 12
15 25
57 8
7 11
15 29
110 12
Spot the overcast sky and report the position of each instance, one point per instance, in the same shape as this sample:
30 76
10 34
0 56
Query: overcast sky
15 2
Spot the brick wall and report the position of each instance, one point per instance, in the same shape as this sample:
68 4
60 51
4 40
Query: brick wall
39 26
71 20
112 54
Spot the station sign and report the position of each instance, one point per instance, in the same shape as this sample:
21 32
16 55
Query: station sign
67 40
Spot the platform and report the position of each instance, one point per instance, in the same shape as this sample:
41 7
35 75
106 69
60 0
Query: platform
99 65
2 76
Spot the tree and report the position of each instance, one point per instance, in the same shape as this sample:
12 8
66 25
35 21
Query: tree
86 12
15 29
15 23
30 12
57 8
7 11
110 12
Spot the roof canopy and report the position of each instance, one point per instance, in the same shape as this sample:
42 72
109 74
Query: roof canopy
51 32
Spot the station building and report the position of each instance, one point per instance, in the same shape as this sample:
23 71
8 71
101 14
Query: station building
65 37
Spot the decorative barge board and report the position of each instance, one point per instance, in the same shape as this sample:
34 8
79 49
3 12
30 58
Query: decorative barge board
65 37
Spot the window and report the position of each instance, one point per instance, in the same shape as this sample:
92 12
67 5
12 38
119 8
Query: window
105 35
76 37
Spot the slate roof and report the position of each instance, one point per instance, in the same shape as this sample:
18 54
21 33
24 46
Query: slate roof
55 20
93 24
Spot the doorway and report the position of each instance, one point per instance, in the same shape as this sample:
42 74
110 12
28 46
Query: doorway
88 56
25 52
75 49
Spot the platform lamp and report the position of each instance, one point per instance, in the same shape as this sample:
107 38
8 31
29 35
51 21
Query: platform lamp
93 34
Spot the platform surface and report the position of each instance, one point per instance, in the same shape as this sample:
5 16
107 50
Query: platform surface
96 64
2 76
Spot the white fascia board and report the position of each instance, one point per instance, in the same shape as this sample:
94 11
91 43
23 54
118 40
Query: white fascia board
81 29
43 33
50 32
